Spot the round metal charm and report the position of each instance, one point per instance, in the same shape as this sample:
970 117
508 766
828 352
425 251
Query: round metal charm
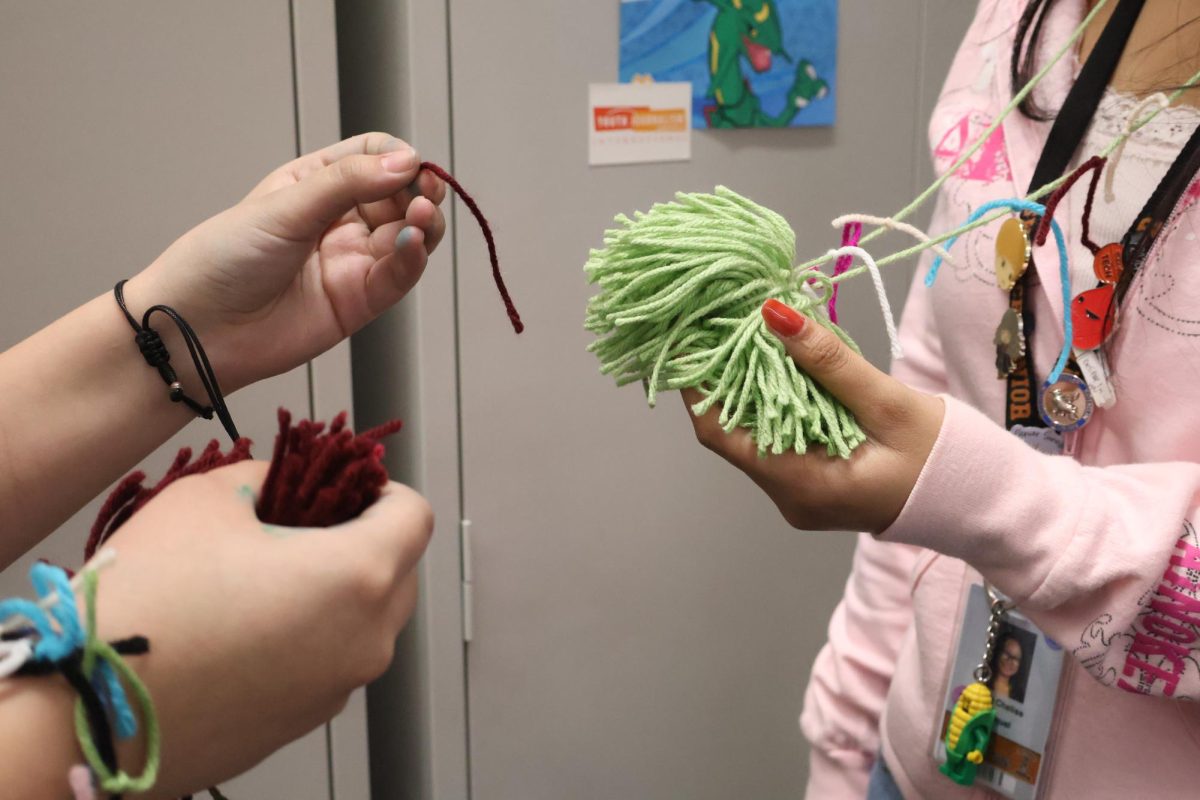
1013 252
1066 405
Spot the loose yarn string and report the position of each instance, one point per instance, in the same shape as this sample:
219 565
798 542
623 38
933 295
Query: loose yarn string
902 255
680 289
1064 272
975 146
1158 102
892 225
486 228
1095 165
851 233
885 307
13 655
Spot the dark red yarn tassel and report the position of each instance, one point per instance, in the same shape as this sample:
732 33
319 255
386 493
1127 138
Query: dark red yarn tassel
317 478
484 226
131 495
320 478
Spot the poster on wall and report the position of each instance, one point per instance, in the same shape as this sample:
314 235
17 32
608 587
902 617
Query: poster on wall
637 123
751 63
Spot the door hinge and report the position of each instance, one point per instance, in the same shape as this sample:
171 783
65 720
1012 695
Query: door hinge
468 616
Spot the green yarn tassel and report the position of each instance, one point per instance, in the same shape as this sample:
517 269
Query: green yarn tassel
680 292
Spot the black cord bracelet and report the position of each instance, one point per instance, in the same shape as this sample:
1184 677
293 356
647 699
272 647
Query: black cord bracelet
155 352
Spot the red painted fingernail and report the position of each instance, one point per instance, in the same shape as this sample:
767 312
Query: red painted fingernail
783 319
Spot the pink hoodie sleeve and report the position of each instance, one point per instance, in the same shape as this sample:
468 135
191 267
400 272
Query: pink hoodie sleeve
1104 559
851 675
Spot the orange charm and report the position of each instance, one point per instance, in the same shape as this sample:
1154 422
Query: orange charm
1108 263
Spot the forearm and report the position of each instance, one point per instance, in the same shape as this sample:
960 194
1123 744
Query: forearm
78 408
36 737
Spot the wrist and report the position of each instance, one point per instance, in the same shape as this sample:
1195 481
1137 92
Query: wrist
151 288
37 736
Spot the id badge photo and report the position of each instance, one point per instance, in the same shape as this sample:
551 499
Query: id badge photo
999 708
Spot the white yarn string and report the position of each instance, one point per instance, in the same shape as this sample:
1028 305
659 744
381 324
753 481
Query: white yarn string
885 307
1157 101
895 225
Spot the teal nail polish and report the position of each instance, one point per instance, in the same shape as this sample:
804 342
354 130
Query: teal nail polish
406 235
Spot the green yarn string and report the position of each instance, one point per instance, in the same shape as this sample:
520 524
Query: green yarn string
95 648
680 292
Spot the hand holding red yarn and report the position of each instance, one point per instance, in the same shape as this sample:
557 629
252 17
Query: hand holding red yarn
259 632
318 249
865 492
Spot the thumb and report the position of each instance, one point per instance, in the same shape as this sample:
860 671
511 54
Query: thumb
303 210
845 374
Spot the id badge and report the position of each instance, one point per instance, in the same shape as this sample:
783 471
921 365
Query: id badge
1025 669
1044 440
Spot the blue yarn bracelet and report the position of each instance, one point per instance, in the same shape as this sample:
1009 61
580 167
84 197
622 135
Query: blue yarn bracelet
55 646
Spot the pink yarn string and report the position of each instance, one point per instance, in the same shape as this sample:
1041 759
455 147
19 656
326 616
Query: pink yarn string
851 233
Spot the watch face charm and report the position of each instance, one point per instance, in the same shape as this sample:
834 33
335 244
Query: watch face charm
1066 404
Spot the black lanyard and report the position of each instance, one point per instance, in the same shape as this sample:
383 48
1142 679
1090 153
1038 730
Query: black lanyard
1140 237
1063 140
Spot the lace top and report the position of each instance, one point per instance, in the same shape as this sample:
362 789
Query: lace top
1147 156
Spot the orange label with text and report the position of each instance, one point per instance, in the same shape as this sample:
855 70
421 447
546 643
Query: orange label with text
641 119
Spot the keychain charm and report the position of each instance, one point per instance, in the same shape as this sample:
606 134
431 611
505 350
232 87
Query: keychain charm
1066 405
1108 263
1093 316
1013 251
973 719
1010 343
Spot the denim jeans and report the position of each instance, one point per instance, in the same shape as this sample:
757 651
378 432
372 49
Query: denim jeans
882 786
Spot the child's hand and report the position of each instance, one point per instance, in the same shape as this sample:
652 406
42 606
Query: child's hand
814 491
257 634
321 247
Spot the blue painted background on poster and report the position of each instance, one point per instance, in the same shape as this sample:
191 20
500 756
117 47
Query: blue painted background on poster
672 40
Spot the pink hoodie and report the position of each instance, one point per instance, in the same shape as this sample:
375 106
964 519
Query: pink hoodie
1098 550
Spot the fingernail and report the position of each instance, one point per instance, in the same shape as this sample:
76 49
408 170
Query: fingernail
400 161
406 235
784 320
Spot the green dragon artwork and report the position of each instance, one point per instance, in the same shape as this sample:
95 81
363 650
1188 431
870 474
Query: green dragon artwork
751 28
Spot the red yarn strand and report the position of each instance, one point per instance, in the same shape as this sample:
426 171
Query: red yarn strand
1095 164
486 227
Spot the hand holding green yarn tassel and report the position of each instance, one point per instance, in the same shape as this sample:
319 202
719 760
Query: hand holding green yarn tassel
680 288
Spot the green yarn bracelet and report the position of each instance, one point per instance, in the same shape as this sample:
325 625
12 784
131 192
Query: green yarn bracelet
680 292
96 649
